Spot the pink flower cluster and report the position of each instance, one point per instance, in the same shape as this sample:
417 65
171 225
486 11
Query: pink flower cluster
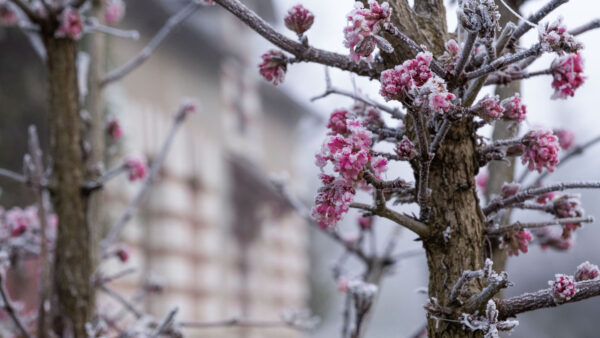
586 271
405 149
450 56
567 206
114 11
514 109
396 83
510 189
71 24
273 66
567 72
566 138
299 19
563 287
136 168
332 201
554 37
8 16
113 129
434 96
363 26
541 150
488 108
337 122
550 237
518 241
16 222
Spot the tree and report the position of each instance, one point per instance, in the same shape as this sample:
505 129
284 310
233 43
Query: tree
434 75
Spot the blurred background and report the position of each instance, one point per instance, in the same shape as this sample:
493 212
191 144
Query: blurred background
213 232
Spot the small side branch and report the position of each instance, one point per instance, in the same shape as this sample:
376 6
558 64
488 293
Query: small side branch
406 221
13 176
425 158
466 277
534 18
503 61
464 58
520 226
126 304
587 27
479 300
244 323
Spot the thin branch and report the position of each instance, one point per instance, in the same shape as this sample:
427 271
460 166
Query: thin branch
503 61
10 309
110 278
463 59
425 159
520 226
165 323
236 322
13 176
171 24
504 80
301 52
530 193
107 176
534 18
126 304
406 221
587 27
439 137
149 180
120 33
544 299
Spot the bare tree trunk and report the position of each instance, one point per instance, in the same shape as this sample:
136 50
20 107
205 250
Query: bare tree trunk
73 264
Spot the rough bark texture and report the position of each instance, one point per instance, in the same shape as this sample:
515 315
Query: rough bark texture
73 264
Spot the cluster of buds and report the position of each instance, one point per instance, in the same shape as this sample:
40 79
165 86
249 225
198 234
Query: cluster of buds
405 149
365 222
433 96
364 25
480 16
541 150
273 66
299 19
71 24
136 168
567 206
509 189
516 241
555 38
450 56
563 287
586 271
514 109
567 73
488 108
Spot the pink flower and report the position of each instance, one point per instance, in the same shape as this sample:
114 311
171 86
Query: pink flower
19 230
434 95
71 24
554 37
122 254
488 108
397 82
481 180
363 26
563 287
338 122
137 168
566 138
114 11
518 241
113 128
405 149
514 110
273 67
510 189
8 16
567 207
541 150
450 56
299 19
543 199
567 72
332 201
550 237
365 222
586 271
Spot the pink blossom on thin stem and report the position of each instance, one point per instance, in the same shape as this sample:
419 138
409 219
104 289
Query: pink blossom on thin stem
567 207
510 189
71 24
360 35
541 150
554 37
405 149
567 72
397 82
113 129
488 108
514 109
586 271
566 138
136 167
114 11
273 66
434 96
563 287
8 15
299 19
518 241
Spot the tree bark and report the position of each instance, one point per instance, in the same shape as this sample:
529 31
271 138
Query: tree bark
73 265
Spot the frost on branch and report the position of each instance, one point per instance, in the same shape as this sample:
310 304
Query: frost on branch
71 24
563 287
586 271
488 108
273 66
136 167
480 16
541 150
398 82
364 25
433 96
567 72
299 19
554 37
8 15
489 323
567 206
405 149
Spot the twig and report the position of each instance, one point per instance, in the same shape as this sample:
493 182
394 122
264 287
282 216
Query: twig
120 33
534 18
301 52
236 322
27 10
425 159
464 57
530 193
346 315
439 137
149 180
408 222
110 174
13 175
479 300
108 279
464 278
587 27
501 80
126 304
520 226
502 61
173 22
10 309
165 323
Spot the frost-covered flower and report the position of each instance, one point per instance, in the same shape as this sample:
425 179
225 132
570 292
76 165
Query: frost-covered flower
136 168
332 201
8 15
518 241
364 25
514 109
586 271
122 254
338 122
488 108
563 287
114 11
299 19
510 189
405 149
541 150
273 66
545 198
434 96
554 37
567 206
113 129
567 72
566 138
551 237
450 56
71 24
379 165
397 82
